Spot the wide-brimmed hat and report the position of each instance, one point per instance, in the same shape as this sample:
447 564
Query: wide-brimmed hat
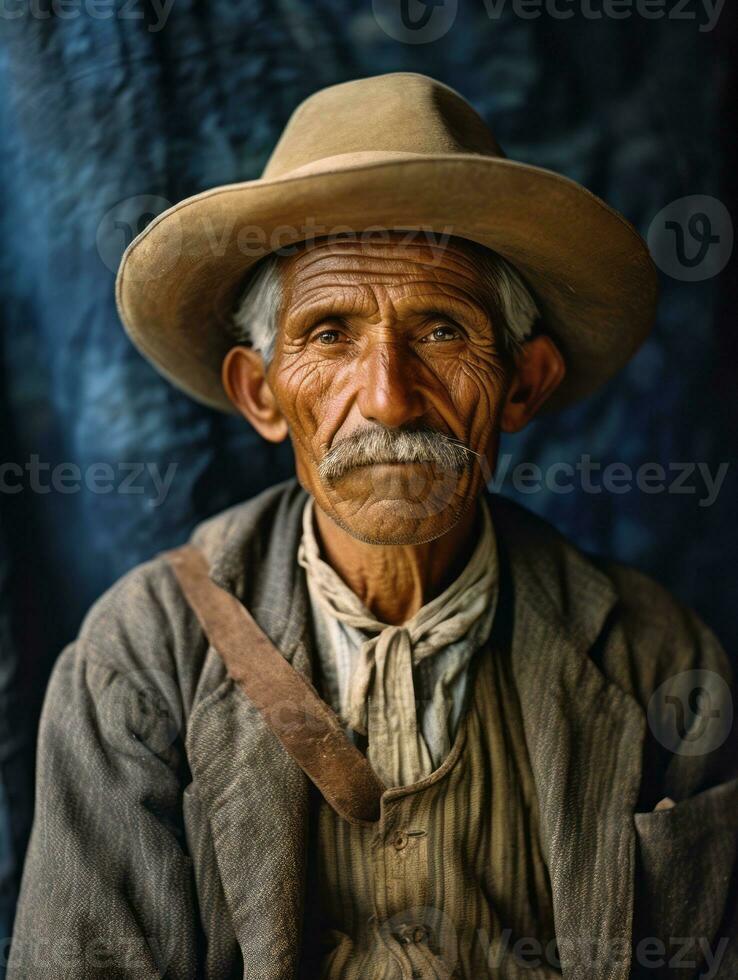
398 151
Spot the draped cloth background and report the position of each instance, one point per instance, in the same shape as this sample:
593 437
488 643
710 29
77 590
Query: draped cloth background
104 121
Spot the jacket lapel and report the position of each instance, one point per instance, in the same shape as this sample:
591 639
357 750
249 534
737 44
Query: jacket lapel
255 795
585 737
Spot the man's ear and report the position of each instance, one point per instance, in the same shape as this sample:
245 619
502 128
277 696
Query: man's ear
244 378
538 371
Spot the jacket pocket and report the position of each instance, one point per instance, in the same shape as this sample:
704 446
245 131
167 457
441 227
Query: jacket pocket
687 879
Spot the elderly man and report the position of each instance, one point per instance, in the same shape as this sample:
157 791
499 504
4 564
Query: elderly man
376 722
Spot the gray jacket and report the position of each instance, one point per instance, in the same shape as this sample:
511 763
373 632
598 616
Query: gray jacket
170 835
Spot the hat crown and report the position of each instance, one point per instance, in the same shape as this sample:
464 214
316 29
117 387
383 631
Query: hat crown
401 113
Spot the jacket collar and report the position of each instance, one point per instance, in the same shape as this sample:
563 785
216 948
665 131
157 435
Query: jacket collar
584 736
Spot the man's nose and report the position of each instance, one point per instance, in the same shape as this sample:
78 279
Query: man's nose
389 391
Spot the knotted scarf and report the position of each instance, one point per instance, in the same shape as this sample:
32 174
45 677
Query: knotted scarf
382 701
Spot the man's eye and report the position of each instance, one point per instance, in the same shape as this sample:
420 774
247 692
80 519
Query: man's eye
444 331
327 337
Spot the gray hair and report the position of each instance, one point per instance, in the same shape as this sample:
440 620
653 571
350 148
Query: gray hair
256 318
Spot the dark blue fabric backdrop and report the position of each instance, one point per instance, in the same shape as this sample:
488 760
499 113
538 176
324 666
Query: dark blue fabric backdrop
96 111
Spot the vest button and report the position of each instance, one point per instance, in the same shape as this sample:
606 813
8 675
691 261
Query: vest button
399 840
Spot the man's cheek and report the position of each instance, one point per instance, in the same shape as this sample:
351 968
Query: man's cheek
321 404
309 427
483 433
296 391
476 402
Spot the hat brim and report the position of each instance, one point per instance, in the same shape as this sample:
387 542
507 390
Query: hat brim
588 267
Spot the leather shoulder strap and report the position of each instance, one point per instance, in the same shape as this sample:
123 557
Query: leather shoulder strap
307 727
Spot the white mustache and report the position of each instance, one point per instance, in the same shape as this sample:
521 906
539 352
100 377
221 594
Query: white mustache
381 445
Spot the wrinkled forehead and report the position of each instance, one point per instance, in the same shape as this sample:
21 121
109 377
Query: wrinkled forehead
385 257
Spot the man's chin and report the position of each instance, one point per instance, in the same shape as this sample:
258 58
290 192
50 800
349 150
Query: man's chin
398 503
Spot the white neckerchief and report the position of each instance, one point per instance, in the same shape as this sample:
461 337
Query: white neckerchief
382 701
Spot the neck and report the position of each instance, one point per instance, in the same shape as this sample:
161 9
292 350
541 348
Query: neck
395 581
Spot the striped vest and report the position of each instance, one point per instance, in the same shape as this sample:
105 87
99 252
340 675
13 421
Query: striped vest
450 882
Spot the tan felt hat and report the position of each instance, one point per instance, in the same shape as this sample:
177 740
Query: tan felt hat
397 151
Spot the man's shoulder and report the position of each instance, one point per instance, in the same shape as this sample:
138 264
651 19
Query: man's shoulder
647 634
143 621
248 525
